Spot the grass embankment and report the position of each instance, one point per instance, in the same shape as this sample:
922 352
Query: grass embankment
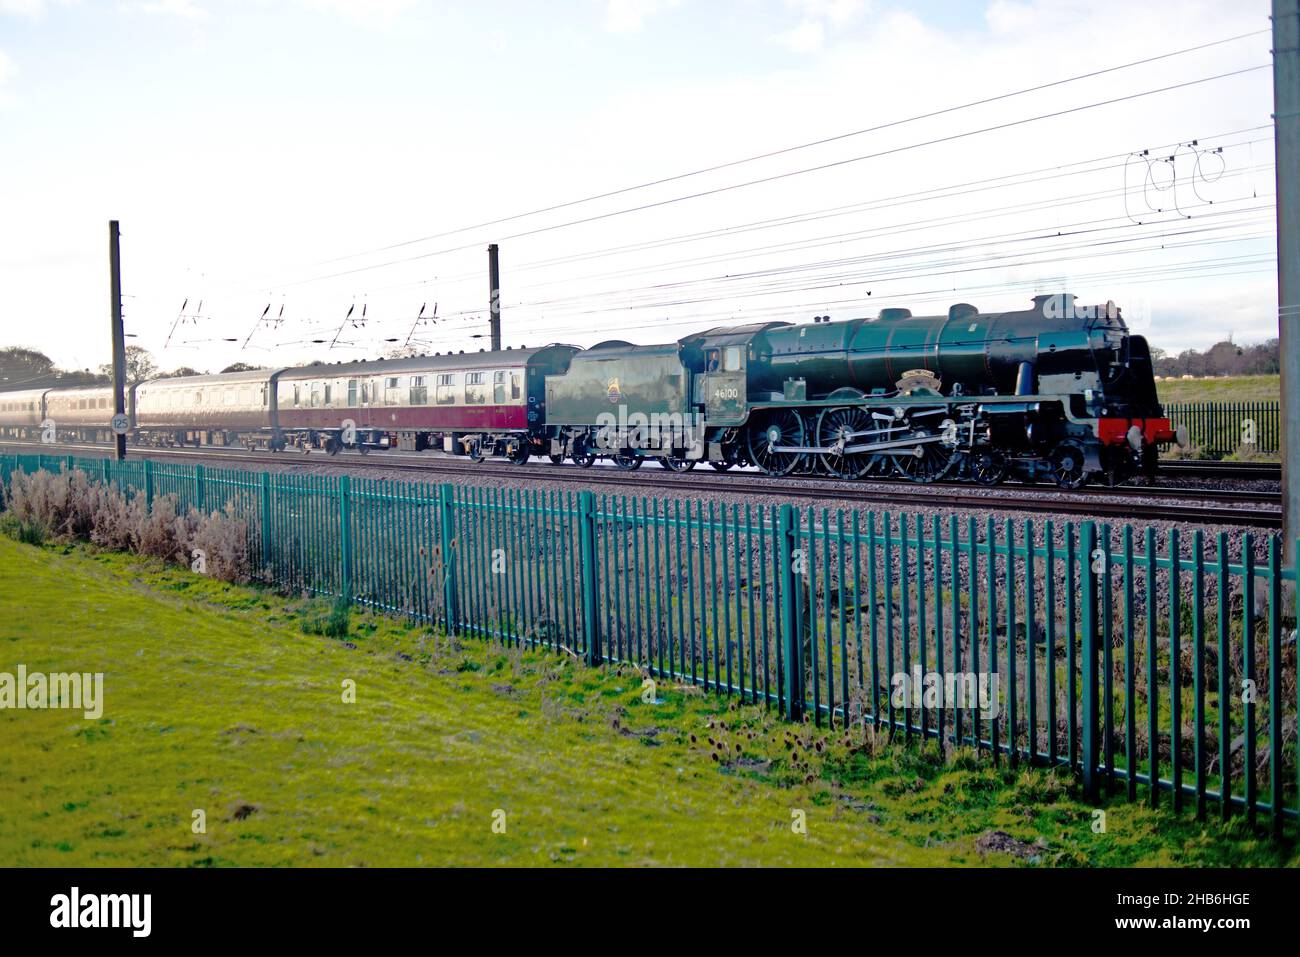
217 700
1242 388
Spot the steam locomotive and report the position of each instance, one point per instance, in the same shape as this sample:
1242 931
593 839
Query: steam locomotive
1057 391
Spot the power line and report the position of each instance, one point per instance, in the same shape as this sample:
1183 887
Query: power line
902 199
800 146
788 174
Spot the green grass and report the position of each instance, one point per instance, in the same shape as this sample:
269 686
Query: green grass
216 698
1245 388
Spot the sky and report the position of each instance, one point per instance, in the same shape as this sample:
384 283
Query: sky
311 179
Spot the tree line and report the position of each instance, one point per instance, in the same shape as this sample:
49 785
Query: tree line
1222 358
22 368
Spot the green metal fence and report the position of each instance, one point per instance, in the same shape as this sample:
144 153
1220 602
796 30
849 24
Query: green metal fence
1222 428
1151 664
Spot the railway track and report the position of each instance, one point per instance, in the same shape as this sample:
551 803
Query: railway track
1187 468
1162 503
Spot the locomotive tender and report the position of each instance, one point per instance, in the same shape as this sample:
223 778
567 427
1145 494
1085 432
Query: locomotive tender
1056 391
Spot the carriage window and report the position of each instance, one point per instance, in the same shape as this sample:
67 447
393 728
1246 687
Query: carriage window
731 359
295 395
261 396
419 391
445 389
315 395
365 393
229 397
246 397
329 389
390 391
475 393
352 393
499 387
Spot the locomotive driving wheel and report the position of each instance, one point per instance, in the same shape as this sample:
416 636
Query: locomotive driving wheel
1067 465
783 427
835 428
927 461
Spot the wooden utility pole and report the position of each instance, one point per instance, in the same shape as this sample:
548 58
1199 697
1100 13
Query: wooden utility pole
1286 138
494 292
119 338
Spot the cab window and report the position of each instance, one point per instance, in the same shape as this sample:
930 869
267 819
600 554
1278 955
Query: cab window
731 359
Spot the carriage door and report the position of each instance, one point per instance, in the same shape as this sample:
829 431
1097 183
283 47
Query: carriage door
724 384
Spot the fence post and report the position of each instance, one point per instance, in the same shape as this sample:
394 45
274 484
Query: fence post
445 493
587 547
198 487
791 619
148 482
1088 613
266 520
345 535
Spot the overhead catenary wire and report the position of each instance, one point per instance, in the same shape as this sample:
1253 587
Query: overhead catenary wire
802 146
953 137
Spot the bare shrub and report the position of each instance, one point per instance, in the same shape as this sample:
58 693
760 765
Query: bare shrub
159 532
223 538
68 505
115 517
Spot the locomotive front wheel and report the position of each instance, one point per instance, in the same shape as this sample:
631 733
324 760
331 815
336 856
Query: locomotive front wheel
1067 466
834 427
784 427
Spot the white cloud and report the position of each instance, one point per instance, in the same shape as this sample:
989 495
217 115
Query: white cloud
1007 16
370 12
837 13
31 9
807 37
186 9
628 16
7 70
23 8
818 18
